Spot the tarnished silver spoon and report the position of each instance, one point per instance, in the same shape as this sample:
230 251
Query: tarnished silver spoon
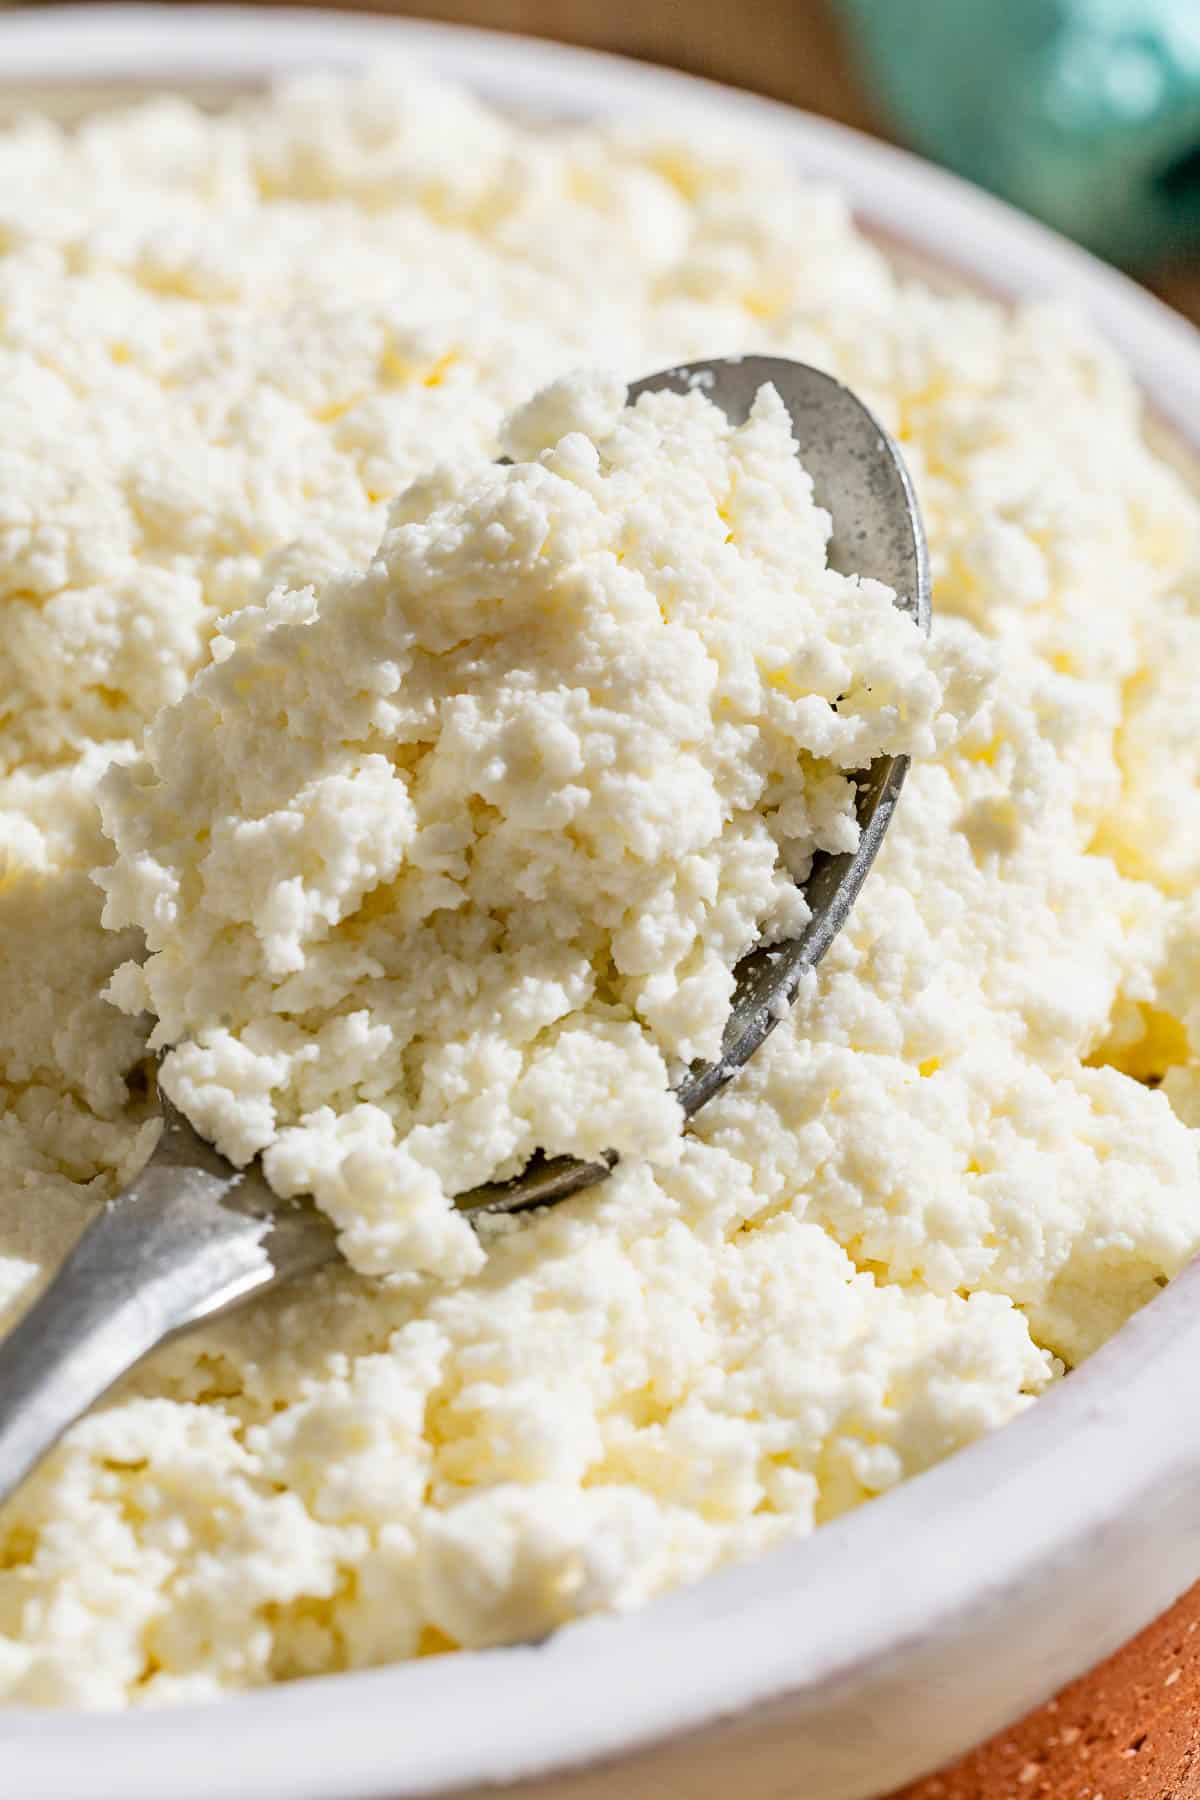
193 1236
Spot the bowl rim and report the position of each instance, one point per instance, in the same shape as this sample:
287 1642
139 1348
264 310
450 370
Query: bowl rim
906 1631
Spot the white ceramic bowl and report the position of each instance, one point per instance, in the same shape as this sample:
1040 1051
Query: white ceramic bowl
839 1667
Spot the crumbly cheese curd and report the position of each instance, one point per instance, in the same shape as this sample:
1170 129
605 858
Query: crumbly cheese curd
228 346
450 861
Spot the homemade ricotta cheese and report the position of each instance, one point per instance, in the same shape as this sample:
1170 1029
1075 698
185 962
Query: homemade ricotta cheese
227 345
451 861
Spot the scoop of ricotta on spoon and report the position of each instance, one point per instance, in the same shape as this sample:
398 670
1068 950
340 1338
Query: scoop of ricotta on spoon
452 860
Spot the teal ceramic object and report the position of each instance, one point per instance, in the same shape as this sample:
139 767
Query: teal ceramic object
1085 112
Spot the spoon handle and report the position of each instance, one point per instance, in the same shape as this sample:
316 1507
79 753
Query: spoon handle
190 1237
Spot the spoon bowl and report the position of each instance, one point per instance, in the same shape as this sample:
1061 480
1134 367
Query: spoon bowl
193 1236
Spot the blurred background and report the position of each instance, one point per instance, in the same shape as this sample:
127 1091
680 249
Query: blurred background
1085 112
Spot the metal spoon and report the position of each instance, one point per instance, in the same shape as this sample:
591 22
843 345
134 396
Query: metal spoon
193 1236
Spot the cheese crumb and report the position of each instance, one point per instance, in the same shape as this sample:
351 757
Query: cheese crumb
228 344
